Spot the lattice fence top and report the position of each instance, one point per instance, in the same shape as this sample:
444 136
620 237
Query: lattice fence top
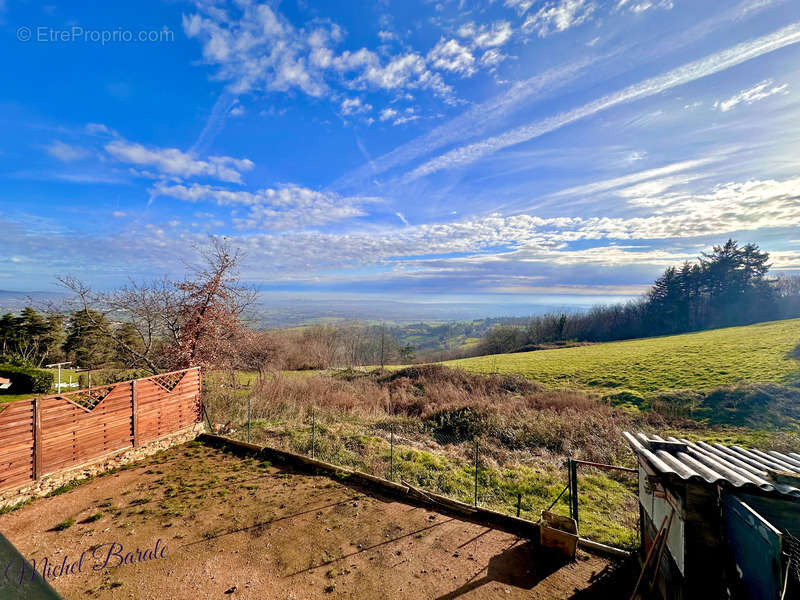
168 381
90 398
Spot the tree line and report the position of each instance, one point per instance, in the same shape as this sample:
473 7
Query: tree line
725 287
202 320
152 326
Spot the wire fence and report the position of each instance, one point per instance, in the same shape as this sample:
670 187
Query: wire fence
791 548
455 460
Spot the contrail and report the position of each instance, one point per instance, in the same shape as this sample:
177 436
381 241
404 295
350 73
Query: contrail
679 76
215 122
474 119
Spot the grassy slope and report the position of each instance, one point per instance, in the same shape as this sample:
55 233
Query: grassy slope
698 361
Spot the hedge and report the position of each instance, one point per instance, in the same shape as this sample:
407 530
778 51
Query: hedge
27 381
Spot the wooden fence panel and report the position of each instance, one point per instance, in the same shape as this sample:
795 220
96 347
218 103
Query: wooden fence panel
73 431
16 443
76 427
167 403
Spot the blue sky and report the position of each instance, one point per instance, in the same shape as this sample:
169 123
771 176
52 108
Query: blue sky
520 148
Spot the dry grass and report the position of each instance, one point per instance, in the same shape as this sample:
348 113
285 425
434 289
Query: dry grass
524 430
517 414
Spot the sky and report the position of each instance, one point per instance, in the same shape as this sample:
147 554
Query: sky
517 149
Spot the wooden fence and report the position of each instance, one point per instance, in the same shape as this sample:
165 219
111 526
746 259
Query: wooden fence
44 435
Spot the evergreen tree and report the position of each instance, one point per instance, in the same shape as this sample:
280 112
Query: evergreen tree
88 342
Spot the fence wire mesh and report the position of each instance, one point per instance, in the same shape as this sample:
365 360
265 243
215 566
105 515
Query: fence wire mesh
447 457
791 547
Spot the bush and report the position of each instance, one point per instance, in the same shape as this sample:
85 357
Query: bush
676 403
753 405
26 380
625 397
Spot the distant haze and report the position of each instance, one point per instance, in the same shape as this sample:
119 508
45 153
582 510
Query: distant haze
288 309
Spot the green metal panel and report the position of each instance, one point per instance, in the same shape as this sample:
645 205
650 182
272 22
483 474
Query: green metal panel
754 547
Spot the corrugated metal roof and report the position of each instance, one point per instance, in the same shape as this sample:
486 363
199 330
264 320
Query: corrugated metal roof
741 468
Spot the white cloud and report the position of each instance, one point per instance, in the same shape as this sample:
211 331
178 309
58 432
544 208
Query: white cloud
492 58
598 187
354 106
486 36
471 122
521 6
558 16
689 72
65 152
644 5
720 210
724 209
387 114
762 90
405 119
174 162
98 129
450 55
288 207
405 71
261 50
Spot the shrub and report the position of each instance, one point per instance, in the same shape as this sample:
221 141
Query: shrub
753 405
625 397
676 403
457 425
26 380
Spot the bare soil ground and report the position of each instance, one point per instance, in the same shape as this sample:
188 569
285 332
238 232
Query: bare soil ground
237 527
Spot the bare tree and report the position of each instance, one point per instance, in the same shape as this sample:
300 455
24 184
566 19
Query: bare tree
178 324
133 302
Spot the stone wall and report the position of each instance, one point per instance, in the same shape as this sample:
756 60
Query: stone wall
106 463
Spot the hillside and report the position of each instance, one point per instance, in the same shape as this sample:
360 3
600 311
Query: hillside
697 361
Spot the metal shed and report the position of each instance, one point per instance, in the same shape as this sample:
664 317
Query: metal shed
735 518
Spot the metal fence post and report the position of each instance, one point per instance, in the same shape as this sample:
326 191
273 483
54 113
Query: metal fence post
248 418
313 430
391 453
573 489
476 471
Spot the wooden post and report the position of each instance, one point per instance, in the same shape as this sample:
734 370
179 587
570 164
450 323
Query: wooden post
134 415
476 471
313 431
37 440
391 453
573 489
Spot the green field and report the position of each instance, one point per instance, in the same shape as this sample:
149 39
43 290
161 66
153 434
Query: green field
697 361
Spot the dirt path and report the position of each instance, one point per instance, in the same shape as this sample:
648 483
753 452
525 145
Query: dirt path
219 526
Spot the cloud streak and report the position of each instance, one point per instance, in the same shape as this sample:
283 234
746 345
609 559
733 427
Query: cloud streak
765 89
687 73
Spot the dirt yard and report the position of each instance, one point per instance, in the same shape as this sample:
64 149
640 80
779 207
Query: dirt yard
195 522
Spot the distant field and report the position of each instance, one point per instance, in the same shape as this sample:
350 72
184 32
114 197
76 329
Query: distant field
699 361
